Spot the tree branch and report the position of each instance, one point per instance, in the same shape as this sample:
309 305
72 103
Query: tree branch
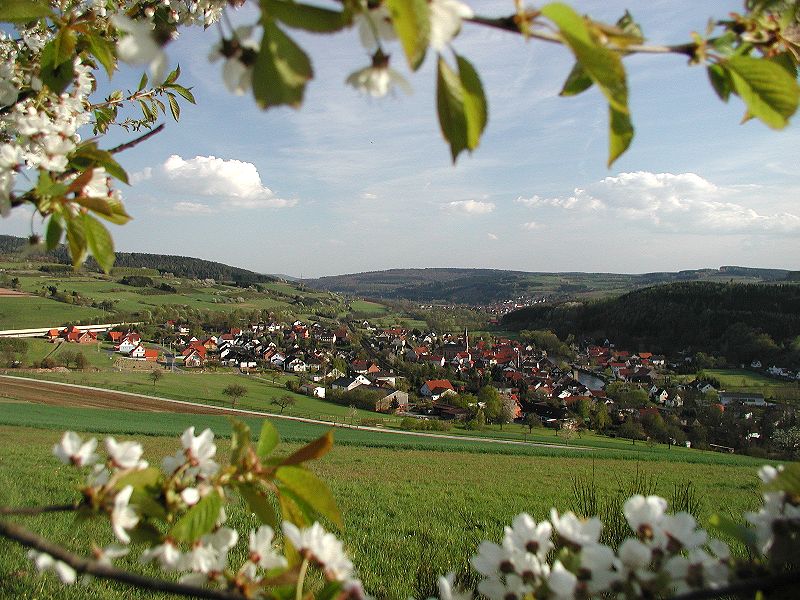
37 510
90 567
763 584
139 140
509 24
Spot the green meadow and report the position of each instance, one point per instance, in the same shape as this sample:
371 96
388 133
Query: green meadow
411 513
23 312
743 380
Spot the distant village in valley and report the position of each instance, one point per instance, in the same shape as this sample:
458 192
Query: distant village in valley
437 381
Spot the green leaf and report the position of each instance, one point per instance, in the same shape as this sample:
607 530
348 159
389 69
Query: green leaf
602 65
173 107
577 81
142 82
22 11
738 531
65 41
102 50
786 60
76 241
475 110
173 76
89 155
258 503
47 188
179 89
268 439
450 108
620 133
55 75
311 490
304 16
145 533
99 241
240 441
281 70
720 81
54 232
198 520
139 479
316 449
412 22
770 93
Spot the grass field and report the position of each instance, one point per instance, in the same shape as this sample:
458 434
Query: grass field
410 514
33 311
370 309
742 380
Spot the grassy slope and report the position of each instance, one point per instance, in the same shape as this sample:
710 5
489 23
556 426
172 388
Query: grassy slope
23 312
410 514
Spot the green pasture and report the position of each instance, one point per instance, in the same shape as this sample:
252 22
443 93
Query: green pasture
22 312
370 309
742 380
409 514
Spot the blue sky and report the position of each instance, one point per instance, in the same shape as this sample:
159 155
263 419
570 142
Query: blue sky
349 183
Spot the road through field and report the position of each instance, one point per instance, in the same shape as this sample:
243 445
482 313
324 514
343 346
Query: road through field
70 394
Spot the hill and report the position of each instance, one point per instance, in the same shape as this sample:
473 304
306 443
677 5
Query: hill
180 266
487 286
744 321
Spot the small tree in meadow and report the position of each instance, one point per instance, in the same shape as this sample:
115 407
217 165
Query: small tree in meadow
235 391
284 401
155 376
532 420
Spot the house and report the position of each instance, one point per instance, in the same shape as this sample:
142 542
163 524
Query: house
726 398
350 383
393 401
137 353
114 336
436 388
194 356
317 391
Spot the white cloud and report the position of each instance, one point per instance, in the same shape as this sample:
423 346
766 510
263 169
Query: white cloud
469 207
235 183
369 196
142 175
531 225
684 202
492 236
195 208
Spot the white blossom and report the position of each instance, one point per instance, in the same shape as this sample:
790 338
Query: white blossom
528 536
377 81
139 47
45 562
511 588
574 530
373 26
448 590
168 556
644 514
323 547
446 17
72 450
680 530
123 516
106 555
561 582
200 450
602 565
125 455
261 551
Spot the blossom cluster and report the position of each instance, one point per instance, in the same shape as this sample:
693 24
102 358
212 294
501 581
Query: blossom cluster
668 554
184 479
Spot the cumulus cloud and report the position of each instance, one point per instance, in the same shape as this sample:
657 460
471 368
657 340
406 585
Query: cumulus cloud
235 184
369 196
531 225
469 207
142 175
685 202
492 236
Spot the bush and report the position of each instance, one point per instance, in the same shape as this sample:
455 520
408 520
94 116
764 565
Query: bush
371 422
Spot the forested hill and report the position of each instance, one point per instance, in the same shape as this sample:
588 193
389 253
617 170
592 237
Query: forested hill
180 266
732 318
485 286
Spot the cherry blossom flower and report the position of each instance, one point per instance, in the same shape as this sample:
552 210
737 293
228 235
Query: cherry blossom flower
492 560
527 536
190 496
123 516
72 450
445 20
513 588
200 450
125 455
644 514
261 551
561 582
106 555
373 26
574 530
167 554
377 80
599 562
139 47
323 547
45 562
680 532
635 557
239 54
448 590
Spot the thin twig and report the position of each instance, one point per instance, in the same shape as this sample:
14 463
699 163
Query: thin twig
37 510
509 24
137 141
81 565
763 584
